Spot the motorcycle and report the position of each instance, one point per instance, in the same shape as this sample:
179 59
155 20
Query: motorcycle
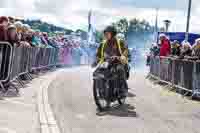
109 83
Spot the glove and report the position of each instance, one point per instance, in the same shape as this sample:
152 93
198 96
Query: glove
104 65
123 59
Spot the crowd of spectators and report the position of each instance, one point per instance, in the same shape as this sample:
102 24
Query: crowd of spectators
176 49
22 35
70 49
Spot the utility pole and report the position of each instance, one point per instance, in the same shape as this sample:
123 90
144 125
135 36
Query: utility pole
89 20
89 27
156 26
188 20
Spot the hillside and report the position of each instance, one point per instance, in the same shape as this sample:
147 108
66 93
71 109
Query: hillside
45 27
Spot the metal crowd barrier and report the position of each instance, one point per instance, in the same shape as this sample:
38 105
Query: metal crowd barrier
25 60
5 62
183 74
17 61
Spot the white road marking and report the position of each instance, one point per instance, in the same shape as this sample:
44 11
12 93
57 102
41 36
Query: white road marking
18 102
47 120
7 130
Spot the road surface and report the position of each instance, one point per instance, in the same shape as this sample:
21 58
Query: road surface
149 109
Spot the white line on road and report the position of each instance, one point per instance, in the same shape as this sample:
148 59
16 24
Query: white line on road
47 119
6 130
18 102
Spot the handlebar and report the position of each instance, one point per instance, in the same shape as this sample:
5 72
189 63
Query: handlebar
113 58
109 59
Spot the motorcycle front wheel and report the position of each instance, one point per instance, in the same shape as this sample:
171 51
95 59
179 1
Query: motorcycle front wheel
99 95
121 101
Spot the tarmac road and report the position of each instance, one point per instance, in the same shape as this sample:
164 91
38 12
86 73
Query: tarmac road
149 109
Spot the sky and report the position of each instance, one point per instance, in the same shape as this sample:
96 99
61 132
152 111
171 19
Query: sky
73 13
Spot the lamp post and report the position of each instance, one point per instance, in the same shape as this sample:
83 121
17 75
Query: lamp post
188 20
167 24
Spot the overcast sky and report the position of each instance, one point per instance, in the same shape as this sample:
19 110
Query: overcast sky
73 13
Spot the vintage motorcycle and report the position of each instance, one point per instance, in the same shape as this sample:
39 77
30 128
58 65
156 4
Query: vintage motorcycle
109 83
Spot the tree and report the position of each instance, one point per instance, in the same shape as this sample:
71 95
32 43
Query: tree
68 31
133 25
45 27
122 26
99 36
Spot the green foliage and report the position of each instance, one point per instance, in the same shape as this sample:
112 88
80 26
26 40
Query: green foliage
133 27
135 30
99 36
45 27
122 26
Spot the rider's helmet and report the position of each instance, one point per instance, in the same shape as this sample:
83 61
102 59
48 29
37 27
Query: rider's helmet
111 29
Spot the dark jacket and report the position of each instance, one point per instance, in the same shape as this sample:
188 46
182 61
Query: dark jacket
117 49
3 33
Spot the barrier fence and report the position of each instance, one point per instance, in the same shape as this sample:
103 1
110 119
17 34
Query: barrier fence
178 73
17 61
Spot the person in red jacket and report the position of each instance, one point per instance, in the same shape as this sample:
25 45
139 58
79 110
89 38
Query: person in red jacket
3 28
165 47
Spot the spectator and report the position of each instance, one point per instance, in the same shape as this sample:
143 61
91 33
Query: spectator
196 48
12 36
25 28
4 21
11 20
176 48
154 50
36 40
3 28
18 25
29 37
25 40
53 42
165 45
186 49
43 39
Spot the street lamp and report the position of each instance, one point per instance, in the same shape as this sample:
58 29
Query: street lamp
167 24
188 20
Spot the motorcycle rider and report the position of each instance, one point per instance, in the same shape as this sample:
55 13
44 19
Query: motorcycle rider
112 46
